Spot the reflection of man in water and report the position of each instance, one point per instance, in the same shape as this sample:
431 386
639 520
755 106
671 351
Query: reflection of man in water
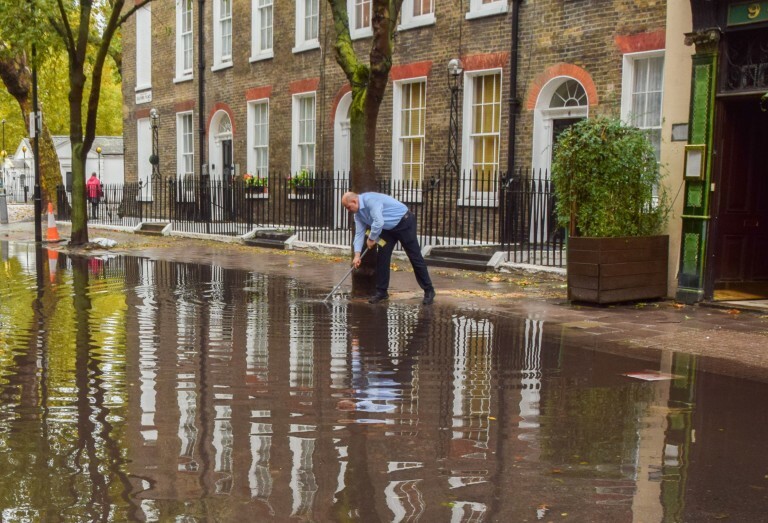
372 390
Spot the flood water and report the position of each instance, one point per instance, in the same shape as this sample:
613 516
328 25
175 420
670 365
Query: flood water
143 390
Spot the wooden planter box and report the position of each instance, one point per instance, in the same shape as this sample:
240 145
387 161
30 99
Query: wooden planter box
612 270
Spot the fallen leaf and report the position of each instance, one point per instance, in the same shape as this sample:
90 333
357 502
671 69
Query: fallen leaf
734 311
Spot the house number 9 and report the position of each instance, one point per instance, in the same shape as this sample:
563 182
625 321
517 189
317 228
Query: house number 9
753 10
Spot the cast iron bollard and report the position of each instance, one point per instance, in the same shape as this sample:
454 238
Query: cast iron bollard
3 207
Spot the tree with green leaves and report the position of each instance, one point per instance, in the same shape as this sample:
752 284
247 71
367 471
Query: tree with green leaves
87 32
368 82
87 29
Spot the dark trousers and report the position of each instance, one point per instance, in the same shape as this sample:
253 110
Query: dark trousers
94 209
405 233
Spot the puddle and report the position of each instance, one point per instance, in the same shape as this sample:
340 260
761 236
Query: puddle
140 390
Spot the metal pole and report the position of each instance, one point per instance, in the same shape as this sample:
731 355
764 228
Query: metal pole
36 150
365 251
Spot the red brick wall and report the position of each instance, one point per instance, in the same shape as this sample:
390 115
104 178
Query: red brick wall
586 35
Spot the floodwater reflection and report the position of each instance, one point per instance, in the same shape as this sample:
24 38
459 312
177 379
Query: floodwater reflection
144 390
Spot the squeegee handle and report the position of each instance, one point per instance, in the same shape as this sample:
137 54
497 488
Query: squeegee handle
365 251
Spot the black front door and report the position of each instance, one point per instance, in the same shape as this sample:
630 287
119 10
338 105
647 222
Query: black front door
739 246
227 168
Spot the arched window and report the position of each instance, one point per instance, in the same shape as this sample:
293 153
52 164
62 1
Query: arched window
569 94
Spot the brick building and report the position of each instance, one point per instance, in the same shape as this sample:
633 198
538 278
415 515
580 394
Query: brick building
269 97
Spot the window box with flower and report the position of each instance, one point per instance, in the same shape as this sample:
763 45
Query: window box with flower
254 184
302 182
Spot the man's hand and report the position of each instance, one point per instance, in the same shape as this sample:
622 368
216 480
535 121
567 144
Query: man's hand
356 260
370 243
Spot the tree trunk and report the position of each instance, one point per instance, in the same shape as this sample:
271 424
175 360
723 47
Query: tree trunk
368 83
17 78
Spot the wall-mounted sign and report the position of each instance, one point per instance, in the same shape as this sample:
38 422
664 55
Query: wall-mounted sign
747 13
695 161
144 97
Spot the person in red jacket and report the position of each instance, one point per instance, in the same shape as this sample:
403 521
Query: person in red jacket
94 193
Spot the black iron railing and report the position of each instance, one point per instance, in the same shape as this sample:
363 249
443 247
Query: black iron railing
511 213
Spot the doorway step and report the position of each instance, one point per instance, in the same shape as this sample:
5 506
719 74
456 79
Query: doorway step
468 258
272 239
152 228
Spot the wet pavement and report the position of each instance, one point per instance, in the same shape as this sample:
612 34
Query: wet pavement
182 380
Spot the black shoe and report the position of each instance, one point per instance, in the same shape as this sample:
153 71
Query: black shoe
376 298
429 297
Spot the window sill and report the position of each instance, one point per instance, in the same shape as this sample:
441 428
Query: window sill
492 10
143 87
308 45
264 55
481 200
222 66
182 79
296 196
409 195
257 195
415 23
358 34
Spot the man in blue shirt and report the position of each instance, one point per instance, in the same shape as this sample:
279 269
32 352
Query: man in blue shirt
391 221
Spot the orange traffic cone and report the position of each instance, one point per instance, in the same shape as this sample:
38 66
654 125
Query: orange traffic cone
53 233
53 260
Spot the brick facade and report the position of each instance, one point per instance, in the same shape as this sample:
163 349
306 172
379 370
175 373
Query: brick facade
587 37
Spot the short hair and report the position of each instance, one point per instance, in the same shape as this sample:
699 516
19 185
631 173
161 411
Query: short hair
93 173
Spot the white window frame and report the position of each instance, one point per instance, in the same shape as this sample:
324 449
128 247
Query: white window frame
470 196
296 125
477 9
252 158
143 151
354 31
629 69
259 9
182 154
409 21
144 48
302 42
184 36
222 58
408 194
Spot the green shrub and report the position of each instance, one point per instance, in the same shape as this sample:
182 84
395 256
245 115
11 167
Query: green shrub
604 174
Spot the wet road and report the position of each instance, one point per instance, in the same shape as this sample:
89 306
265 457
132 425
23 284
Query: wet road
136 389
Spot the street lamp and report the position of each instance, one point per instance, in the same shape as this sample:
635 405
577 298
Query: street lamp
98 151
154 159
455 70
4 154
24 176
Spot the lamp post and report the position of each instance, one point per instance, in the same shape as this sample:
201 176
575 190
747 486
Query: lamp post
4 154
98 151
154 159
24 176
455 70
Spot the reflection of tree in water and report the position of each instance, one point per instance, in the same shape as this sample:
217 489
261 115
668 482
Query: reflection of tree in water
97 451
60 467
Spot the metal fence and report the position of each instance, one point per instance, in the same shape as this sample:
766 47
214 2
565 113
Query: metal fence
509 213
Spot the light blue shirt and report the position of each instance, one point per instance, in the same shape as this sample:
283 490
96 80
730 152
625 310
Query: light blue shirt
377 211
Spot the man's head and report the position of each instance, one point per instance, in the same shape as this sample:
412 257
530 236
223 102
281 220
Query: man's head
93 174
351 201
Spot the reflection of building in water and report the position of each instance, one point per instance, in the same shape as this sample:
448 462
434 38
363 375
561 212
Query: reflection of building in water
303 483
302 346
472 381
530 382
147 318
405 500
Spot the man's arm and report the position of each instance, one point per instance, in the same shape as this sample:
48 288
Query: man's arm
376 211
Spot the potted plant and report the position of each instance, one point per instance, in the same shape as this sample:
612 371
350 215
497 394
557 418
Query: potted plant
254 184
301 182
608 192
